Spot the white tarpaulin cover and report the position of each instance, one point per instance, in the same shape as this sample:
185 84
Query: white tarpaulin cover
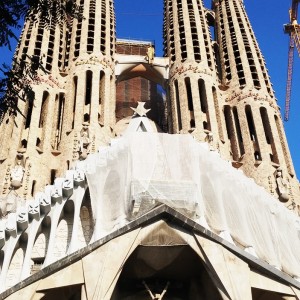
179 171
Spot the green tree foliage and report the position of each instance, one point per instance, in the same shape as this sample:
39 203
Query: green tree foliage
51 12
15 82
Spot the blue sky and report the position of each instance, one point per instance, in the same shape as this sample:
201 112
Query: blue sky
142 19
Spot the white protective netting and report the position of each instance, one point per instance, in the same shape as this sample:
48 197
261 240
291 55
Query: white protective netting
178 171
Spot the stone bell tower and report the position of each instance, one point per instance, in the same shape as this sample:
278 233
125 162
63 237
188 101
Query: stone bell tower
193 82
252 117
221 93
72 112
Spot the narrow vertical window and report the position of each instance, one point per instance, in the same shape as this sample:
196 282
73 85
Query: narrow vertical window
217 111
102 97
52 176
44 109
231 131
238 131
75 83
24 143
269 134
33 187
29 113
60 113
43 120
88 87
190 101
202 94
177 105
251 125
204 104
58 120
102 87
189 94
252 132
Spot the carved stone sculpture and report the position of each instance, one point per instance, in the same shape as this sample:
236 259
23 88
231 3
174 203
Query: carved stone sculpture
17 172
84 141
150 54
282 186
156 296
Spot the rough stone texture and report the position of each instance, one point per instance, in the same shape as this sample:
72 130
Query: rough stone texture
219 91
248 94
51 132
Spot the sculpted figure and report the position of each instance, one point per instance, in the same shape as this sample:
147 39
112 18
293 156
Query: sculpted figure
150 54
84 141
156 296
282 186
17 172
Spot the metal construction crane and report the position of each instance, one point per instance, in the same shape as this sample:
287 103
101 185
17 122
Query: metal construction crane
293 29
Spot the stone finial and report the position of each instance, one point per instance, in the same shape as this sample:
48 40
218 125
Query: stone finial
56 196
34 210
79 178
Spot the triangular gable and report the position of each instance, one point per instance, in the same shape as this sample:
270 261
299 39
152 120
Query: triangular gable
225 260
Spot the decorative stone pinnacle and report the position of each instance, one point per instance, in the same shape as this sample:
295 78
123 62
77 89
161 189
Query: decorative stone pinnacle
140 110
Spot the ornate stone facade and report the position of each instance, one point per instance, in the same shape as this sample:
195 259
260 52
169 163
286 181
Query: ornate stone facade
77 87
217 90
219 87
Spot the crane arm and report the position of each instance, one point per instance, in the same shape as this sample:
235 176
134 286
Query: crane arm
296 37
293 29
289 79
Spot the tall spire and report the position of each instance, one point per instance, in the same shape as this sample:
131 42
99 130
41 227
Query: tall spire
193 73
242 62
253 121
73 92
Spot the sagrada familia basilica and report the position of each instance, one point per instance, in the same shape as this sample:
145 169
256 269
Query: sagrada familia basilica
111 189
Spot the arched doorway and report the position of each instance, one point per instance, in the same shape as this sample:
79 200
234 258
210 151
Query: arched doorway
176 269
